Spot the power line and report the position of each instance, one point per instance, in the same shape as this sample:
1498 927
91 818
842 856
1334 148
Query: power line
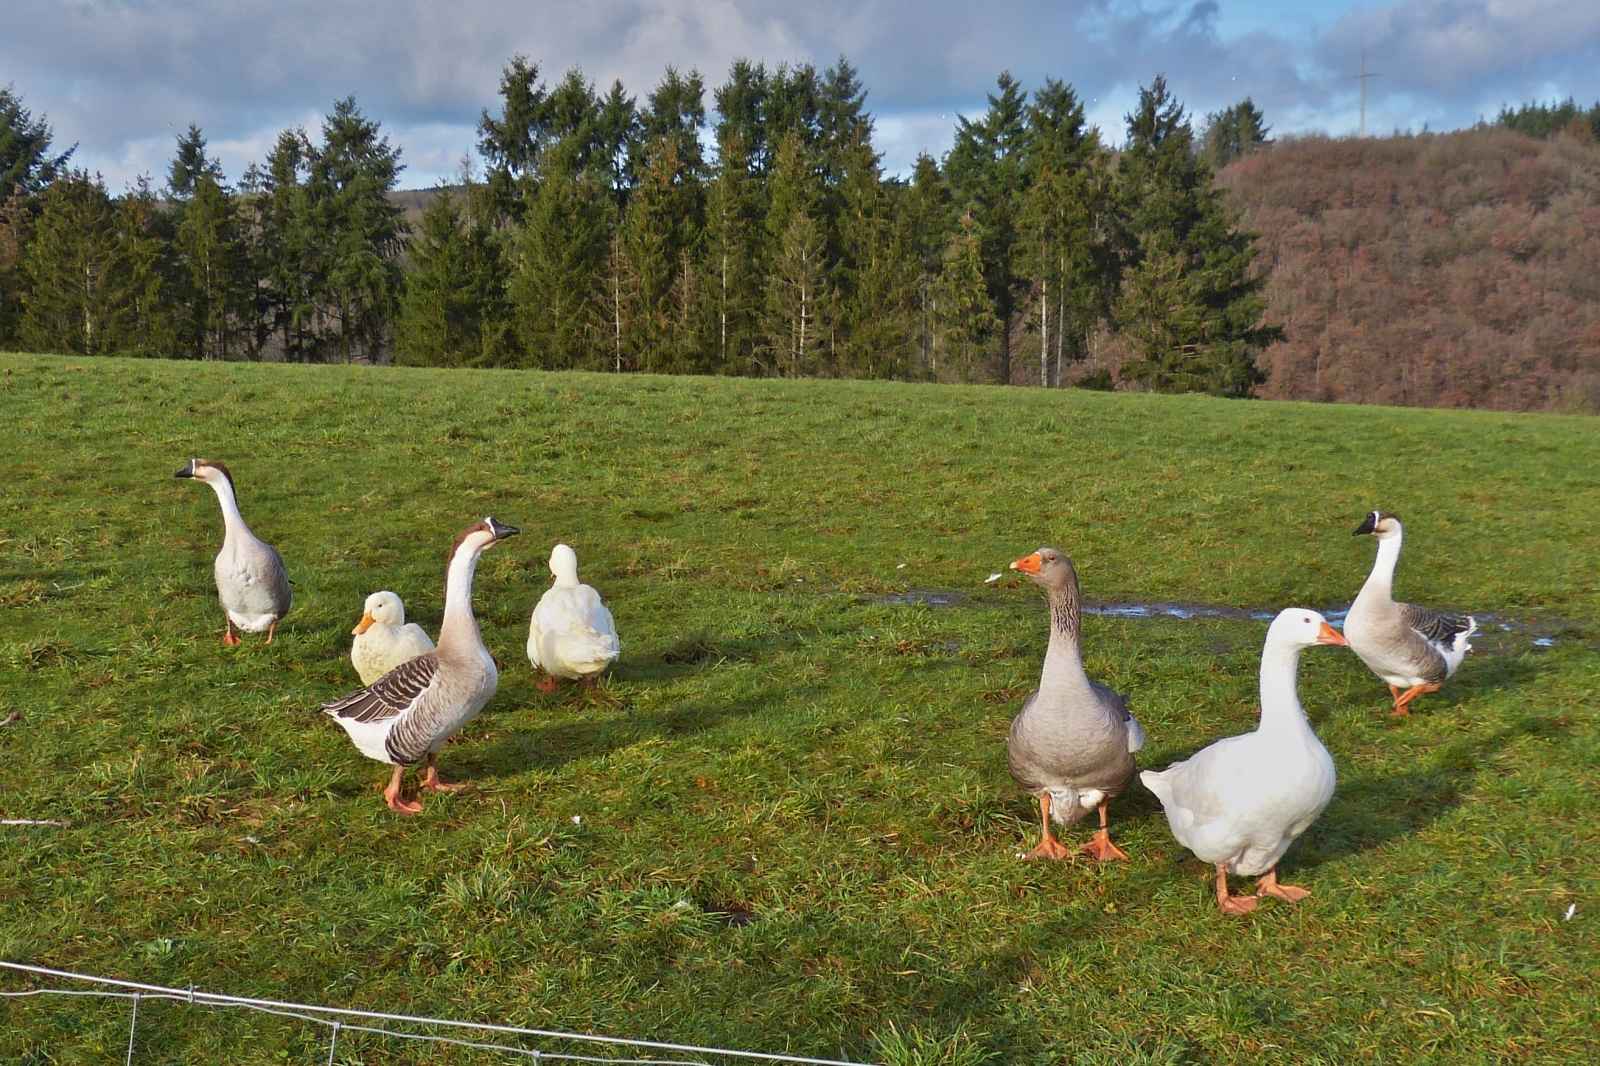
1361 130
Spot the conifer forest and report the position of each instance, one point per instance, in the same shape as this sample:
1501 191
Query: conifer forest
751 229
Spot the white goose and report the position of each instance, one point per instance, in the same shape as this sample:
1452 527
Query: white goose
571 634
251 581
1241 802
1412 648
408 714
384 639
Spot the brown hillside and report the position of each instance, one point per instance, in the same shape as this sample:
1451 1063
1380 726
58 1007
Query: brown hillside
1447 270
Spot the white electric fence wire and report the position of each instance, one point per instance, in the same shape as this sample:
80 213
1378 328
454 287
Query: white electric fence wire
133 1027
314 1015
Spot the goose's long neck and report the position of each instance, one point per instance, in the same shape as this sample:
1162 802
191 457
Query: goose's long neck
460 628
232 520
1381 581
1280 695
1063 659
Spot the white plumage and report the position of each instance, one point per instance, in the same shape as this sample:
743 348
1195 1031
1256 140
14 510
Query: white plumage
384 639
1241 802
571 634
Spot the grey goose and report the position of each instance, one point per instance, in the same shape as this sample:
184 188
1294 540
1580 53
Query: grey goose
1072 744
1412 648
251 581
406 715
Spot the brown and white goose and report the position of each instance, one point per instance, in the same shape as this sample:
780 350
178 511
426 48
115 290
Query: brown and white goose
251 581
1412 648
406 715
1072 744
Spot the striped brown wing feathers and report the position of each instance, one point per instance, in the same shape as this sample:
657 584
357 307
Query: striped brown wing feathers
1435 627
391 695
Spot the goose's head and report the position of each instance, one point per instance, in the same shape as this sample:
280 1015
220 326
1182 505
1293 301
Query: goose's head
1380 524
482 535
212 474
1300 628
564 565
1047 567
382 607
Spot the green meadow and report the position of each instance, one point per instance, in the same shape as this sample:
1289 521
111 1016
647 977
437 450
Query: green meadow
784 822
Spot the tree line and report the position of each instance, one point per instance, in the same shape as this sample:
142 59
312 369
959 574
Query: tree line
754 233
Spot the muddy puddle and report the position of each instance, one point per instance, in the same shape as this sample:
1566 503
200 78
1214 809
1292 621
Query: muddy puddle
1490 623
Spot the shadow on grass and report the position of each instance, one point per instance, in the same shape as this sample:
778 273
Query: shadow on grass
551 746
1372 810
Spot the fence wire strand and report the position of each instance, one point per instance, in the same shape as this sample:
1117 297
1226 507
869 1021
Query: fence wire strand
318 1015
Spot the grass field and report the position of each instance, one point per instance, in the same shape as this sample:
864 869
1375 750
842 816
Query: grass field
797 828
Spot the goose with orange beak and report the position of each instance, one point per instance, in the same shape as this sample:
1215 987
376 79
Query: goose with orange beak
383 637
1072 744
1241 802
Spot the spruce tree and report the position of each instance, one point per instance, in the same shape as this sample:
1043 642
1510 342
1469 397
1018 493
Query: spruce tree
288 250
1064 250
454 311
351 175
799 296
95 273
558 259
1189 298
512 143
16 222
1235 132
212 270
966 311
664 224
71 268
987 174
734 254
26 163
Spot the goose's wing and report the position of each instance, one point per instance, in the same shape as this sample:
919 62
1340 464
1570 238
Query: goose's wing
392 695
277 579
414 636
1118 703
1436 628
596 613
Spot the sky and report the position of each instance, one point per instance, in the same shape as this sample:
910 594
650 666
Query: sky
122 79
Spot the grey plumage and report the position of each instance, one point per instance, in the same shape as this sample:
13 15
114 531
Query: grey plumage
1409 647
252 584
1073 741
408 714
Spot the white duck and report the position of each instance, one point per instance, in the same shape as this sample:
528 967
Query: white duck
251 581
384 639
1241 802
407 714
571 633
1412 648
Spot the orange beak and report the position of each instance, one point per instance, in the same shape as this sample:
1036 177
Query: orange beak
1330 635
365 624
1029 564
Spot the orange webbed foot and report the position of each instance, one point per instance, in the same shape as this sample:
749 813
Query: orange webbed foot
549 684
230 639
1237 904
1269 886
431 781
1102 849
1050 848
